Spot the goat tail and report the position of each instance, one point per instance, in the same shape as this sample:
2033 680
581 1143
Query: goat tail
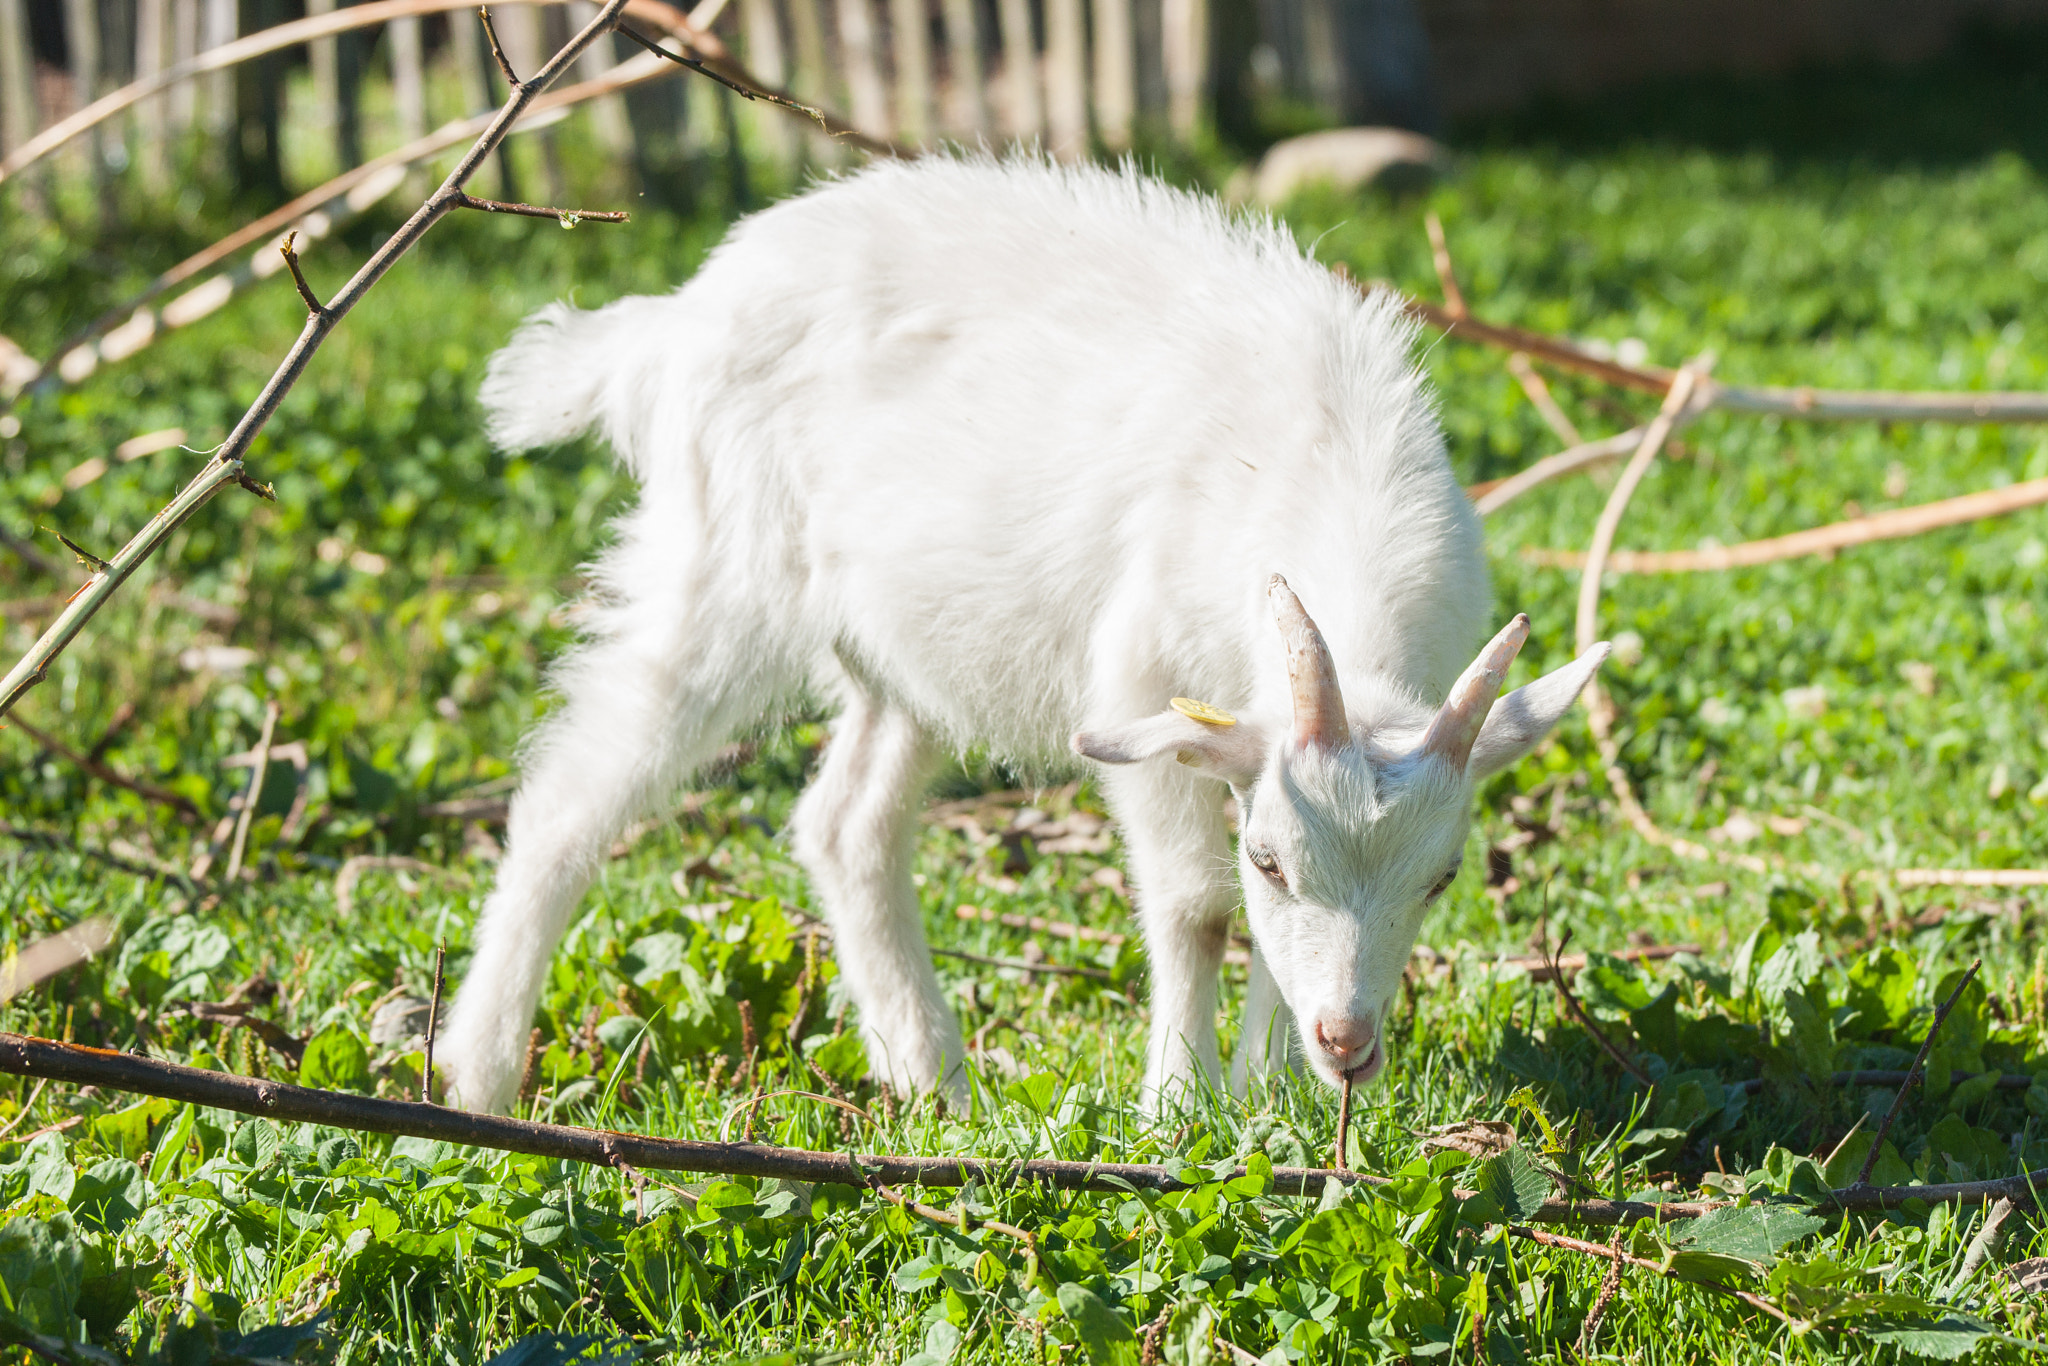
548 384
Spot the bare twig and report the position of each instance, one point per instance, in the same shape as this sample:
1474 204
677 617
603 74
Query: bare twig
1912 1074
568 218
290 1047
1578 1012
1540 396
35 1094
752 92
1342 1160
1440 257
257 773
1800 402
1822 540
85 557
1675 401
226 466
1025 964
1620 1258
99 769
433 1024
54 953
483 14
291 261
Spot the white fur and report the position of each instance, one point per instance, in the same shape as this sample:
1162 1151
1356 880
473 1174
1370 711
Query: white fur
990 453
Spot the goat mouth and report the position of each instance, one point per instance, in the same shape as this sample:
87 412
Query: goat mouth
1366 1070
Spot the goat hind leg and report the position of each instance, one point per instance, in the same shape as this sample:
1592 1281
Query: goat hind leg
638 719
855 831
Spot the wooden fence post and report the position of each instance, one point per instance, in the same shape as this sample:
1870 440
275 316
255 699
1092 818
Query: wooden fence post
910 35
82 44
1184 50
1066 79
761 31
1116 73
966 102
17 77
218 22
866 91
408 76
608 113
1024 112
152 54
184 97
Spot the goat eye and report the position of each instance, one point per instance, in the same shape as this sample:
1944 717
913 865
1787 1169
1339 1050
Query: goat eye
1265 862
1442 884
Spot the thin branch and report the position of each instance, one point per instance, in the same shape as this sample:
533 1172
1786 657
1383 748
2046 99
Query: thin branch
99 769
226 465
433 1024
568 218
483 12
1824 540
1545 403
1620 1258
1675 402
291 261
34 1095
85 557
1025 964
738 87
1578 1012
1440 257
1341 1161
1794 402
1912 1074
53 953
258 771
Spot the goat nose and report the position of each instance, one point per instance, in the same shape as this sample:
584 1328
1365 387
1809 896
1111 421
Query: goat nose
1344 1036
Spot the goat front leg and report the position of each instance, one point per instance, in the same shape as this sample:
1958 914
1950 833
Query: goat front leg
1178 846
1265 1047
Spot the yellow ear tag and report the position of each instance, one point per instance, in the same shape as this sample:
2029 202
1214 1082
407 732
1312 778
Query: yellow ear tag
1203 712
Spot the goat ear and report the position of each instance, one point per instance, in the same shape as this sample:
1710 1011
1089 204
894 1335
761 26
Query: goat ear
1234 753
1519 721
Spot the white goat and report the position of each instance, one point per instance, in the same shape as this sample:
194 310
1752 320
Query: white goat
991 453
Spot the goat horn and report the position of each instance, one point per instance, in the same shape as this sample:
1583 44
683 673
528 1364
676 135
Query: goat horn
1456 724
1318 702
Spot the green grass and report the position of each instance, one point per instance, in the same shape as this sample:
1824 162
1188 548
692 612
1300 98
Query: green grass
1845 259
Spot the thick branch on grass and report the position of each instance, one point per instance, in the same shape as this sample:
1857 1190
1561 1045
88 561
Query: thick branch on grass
226 466
98 768
1544 402
24 1056
1824 540
1491 497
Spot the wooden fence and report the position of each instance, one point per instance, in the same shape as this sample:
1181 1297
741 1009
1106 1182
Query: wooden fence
1073 76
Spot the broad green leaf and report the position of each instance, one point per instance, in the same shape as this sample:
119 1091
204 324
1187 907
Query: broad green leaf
1190 1336
1036 1093
1946 1338
845 1058
732 1203
1101 1328
335 1060
107 1195
42 1268
1881 990
1753 1233
1612 987
1510 1186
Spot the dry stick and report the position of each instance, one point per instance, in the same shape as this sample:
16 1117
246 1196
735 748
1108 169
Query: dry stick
21 1055
1440 257
1342 1162
291 261
1795 402
692 29
1675 401
1578 1012
1912 1073
1542 399
569 218
433 1023
1026 965
1822 540
226 466
258 771
1620 1258
27 1105
1490 497
754 91
99 769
